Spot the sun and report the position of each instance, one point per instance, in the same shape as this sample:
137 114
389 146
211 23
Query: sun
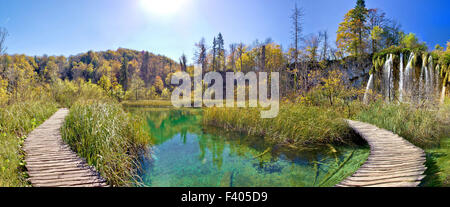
162 7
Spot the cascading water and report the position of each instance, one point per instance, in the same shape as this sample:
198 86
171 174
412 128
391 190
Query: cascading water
436 78
410 86
388 78
430 81
400 84
421 79
368 88
442 98
408 76
443 94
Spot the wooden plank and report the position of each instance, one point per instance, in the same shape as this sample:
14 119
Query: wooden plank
383 181
364 173
386 177
51 163
62 174
372 170
395 163
392 162
396 184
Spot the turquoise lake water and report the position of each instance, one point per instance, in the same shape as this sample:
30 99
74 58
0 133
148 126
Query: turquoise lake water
187 154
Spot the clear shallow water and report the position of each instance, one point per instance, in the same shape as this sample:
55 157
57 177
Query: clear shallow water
185 153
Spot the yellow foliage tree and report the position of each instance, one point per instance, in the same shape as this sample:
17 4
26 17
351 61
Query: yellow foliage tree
352 34
4 96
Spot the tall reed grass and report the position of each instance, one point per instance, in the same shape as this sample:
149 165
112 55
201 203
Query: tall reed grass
421 126
16 121
297 125
108 138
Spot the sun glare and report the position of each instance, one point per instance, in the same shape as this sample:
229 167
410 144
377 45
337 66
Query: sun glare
162 7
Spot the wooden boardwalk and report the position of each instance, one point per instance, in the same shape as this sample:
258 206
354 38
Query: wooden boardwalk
393 161
51 163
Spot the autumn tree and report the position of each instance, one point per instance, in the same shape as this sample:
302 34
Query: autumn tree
359 17
51 72
263 58
352 33
159 84
4 95
232 56
392 34
220 52
375 36
136 86
274 60
78 70
21 76
123 76
376 22
214 55
412 42
241 52
312 43
145 71
105 83
438 47
200 56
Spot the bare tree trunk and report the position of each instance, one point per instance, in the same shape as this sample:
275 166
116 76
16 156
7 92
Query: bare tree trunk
263 58
297 29
3 35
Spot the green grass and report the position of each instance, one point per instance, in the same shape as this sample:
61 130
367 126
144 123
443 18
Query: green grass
420 126
16 121
438 165
438 158
108 138
297 125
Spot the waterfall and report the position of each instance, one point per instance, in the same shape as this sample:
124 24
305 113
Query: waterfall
426 85
408 75
436 77
423 79
411 86
369 86
443 94
430 86
400 84
388 78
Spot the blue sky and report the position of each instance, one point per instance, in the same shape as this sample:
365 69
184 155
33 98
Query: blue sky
69 27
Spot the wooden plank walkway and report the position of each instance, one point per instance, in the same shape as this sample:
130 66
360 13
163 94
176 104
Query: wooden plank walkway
51 163
393 161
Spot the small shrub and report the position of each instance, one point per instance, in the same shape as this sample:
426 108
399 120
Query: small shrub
67 92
